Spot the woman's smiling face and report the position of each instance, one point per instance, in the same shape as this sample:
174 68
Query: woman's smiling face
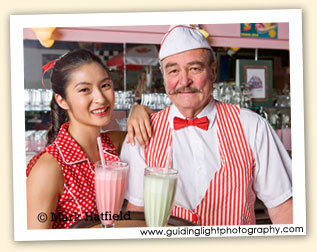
89 96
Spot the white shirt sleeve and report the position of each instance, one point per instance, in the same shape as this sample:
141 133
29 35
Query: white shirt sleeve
273 171
134 155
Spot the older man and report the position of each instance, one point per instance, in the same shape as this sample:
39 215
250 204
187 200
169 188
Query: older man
225 156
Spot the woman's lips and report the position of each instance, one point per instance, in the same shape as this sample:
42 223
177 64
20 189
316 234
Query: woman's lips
100 111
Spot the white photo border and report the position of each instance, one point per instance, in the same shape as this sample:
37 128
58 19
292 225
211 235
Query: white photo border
18 22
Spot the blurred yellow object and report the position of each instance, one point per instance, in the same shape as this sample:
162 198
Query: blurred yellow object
204 33
235 48
44 35
47 43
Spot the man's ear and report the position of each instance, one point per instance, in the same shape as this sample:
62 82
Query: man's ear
213 71
61 102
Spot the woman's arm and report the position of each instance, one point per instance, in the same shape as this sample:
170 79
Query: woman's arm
139 124
44 186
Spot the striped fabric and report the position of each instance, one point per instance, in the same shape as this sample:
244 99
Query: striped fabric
229 200
156 151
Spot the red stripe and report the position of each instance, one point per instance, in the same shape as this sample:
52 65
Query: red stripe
233 133
222 198
213 205
237 174
210 203
227 159
246 174
200 213
205 208
161 153
243 139
247 157
157 143
220 137
227 195
226 171
148 150
222 140
242 165
218 199
168 143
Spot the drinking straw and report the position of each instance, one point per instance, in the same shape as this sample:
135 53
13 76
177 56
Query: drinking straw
102 157
169 158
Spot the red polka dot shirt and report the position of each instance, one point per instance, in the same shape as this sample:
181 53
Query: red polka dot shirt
78 197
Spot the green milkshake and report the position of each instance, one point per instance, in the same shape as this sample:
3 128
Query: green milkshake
159 193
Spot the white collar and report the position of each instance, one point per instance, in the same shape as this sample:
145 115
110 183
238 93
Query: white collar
209 110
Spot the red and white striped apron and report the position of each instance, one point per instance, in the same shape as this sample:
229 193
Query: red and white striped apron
230 198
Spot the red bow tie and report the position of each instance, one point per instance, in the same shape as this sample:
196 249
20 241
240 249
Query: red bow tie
201 123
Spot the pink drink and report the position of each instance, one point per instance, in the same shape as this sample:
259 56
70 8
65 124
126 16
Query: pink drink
110 185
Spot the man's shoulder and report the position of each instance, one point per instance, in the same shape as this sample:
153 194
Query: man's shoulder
244 112
250 116
254 124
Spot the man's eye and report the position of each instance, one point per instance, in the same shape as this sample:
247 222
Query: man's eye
195 69
173 71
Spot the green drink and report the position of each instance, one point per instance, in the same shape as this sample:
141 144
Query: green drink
159 194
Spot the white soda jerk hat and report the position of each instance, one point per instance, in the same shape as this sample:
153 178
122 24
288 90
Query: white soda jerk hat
181 38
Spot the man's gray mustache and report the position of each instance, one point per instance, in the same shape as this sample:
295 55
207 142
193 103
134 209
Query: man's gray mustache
184 89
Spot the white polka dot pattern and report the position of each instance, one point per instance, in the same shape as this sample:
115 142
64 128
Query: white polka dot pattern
79 177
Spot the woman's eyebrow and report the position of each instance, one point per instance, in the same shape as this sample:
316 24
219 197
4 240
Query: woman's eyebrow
106 79
82 83
88 83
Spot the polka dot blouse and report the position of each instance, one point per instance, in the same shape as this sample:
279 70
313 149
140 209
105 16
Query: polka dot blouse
78 197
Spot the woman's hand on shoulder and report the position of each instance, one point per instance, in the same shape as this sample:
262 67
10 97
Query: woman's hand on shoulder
45 184
139 125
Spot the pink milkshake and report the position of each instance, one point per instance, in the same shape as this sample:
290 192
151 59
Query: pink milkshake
110 185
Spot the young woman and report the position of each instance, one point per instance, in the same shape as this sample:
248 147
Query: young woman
60 183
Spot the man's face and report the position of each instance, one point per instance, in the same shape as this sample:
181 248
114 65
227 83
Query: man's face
188 79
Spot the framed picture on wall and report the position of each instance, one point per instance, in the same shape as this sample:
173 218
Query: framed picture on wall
257 75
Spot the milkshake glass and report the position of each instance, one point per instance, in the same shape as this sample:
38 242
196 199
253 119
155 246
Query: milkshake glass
110 186
159 194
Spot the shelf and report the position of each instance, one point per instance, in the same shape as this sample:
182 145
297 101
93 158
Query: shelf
39 110
48 110
128 109
271 107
